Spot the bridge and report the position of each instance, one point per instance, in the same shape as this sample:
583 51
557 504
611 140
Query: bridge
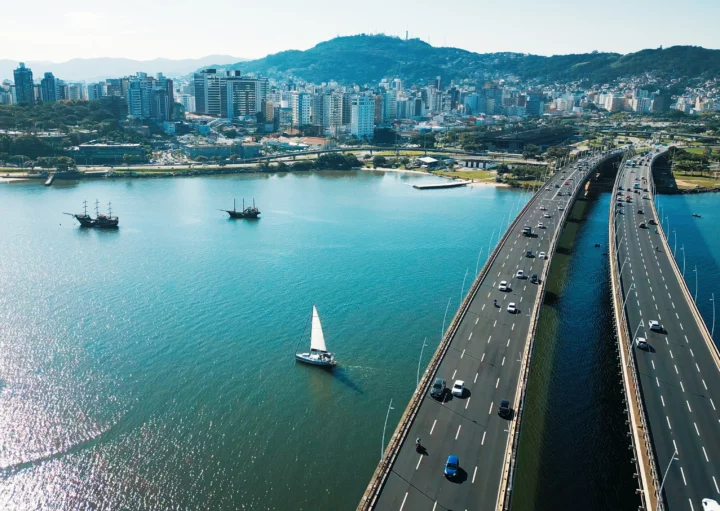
671 370
489 347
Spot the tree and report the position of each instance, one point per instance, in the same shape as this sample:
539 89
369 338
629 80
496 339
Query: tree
379 161
384 136
531 151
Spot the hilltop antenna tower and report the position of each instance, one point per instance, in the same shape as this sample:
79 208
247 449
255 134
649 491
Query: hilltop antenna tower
406 35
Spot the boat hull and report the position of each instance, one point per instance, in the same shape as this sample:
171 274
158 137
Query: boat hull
240 214
315 360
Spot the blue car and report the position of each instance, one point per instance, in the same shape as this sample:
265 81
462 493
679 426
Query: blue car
451 466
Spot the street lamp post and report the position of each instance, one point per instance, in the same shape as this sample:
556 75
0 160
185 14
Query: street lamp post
632 342
622 316
444 318
696 284
490 244
682 249
712 331
420 362
675 244
477 264
462 289
662 484
382 447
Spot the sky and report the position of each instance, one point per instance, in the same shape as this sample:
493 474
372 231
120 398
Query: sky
177 29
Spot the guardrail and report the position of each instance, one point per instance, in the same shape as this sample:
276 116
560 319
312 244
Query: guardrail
712 347
505 489
369 498
648 486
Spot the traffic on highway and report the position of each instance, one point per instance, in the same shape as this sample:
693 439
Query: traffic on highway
459 438
678 370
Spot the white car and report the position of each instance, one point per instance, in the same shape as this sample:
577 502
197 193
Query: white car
458 388
543 208
547 215
542 255
655 326
541 225
503 285
560 208
511 308
641 343
520 274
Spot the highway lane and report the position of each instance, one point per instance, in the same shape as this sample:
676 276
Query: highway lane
678 375
486 353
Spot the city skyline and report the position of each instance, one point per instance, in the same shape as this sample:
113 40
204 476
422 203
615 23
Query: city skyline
559 28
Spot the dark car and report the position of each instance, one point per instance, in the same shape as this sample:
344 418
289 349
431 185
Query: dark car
642 225
652 222
640 212
438 389
504 411
534 278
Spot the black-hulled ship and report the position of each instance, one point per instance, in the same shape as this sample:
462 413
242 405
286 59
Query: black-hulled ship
247 212
100 221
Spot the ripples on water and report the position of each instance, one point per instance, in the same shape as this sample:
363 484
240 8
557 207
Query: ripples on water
152 368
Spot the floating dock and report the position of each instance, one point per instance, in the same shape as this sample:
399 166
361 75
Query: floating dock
452 184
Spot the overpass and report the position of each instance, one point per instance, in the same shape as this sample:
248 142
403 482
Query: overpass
673 381
490 349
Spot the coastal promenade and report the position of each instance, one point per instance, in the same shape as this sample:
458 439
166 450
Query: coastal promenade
488 347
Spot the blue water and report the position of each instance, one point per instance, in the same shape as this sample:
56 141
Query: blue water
700 239
152 367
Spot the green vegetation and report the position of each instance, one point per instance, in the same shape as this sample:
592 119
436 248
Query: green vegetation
368 58
330 161
63 116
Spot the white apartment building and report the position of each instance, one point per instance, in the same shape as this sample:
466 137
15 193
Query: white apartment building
301 108
362 115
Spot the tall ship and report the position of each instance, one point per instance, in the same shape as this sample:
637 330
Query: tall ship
100 221
251 212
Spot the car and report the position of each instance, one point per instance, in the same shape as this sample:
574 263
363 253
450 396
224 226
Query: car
640 212
451 466
542 255
557 185
534 278
541 225
543 208
511 308
652 222
560 208
504 286
504 410
458 388
655 325
547 215
529 253
645 196
642 225
636 179
438 389
645 190
520 274
641 343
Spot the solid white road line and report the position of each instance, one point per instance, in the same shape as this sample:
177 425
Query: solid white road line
418 463
705 453
490 410
696 428
433 426
458 432
482 442
474 474
497 383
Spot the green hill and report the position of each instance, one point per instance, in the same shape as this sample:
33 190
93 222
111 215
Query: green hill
368 58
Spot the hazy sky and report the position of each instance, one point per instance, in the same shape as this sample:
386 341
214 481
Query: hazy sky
146 29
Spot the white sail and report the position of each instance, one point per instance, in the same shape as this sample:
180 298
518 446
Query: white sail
317 339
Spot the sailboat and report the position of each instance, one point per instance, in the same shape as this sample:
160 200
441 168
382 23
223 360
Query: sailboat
319 355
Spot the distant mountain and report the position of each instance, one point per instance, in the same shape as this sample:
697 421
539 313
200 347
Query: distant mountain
365 59
100 68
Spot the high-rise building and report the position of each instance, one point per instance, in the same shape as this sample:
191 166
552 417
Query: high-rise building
332 110
49 89
75 91
390 105
379 108
317 110
230 94
362 116
346 108
187 101
24 87
117 87
301 107
95 91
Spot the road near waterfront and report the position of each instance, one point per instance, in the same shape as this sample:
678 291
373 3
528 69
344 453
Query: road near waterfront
485 353
678 370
